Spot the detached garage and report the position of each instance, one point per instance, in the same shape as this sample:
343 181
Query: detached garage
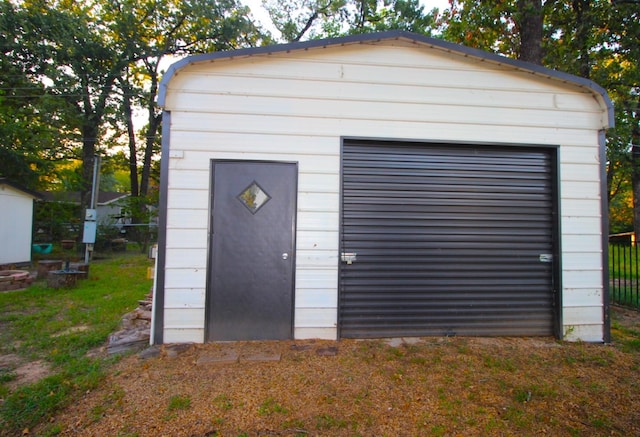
379 185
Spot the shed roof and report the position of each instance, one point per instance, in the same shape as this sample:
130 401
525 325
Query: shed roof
433 43
10 183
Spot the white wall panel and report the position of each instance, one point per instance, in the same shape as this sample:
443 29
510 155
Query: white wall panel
189 179
319 333
188 199
582 279
580 189
184 335
581 260
325 240
586 154
187 258
316 259
582 243
194 218
244 141
179 238
184 317
185 298
185 278
581 207
316 317
317 279
317 298
584 315
212 85
318 220
580 172
578 297
584 332
323 202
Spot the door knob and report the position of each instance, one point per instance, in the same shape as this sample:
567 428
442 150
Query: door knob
285 255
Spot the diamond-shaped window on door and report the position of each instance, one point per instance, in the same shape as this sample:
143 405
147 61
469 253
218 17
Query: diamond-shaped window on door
253 197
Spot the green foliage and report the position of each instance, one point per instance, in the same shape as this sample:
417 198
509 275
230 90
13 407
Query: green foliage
55 221
313 19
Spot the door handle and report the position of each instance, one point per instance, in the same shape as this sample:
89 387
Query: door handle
348 257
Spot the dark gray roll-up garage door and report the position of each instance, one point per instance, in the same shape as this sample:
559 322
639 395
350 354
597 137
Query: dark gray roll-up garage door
447 239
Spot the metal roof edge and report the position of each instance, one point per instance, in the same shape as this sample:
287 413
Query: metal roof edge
393 34
14 185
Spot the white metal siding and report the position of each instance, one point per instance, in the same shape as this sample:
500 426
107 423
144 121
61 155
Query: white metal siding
295 107
17 219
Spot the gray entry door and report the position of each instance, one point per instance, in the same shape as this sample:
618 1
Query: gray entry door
251 268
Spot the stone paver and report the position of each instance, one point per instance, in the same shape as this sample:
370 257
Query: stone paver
222 356
394 342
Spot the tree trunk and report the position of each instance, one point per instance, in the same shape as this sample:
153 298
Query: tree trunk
152 130
90 134
583 32
530 24
133 151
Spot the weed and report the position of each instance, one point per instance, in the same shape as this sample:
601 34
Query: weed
326 422
223 402
7 376
438 430
52 430
296 426
523 396
517 417
179 403
270 406
499 363
394 353
418 360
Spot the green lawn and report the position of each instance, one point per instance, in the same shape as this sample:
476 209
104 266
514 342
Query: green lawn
59 327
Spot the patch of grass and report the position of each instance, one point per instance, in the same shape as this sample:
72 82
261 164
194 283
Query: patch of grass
178 402
223 402
523 396
438 430
270 406
33 319
327 422
499 363
7 376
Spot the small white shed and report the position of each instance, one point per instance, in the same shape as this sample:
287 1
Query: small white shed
16 203
379 185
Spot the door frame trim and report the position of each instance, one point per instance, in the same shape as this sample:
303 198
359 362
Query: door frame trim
208 291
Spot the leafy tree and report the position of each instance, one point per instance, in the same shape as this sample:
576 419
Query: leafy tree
33 125
310 19
68 57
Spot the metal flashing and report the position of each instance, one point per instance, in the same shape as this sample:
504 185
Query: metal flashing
157 328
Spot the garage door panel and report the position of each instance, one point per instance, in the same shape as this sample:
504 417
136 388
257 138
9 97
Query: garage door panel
448 240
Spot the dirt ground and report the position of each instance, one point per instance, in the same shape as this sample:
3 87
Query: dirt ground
411 387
